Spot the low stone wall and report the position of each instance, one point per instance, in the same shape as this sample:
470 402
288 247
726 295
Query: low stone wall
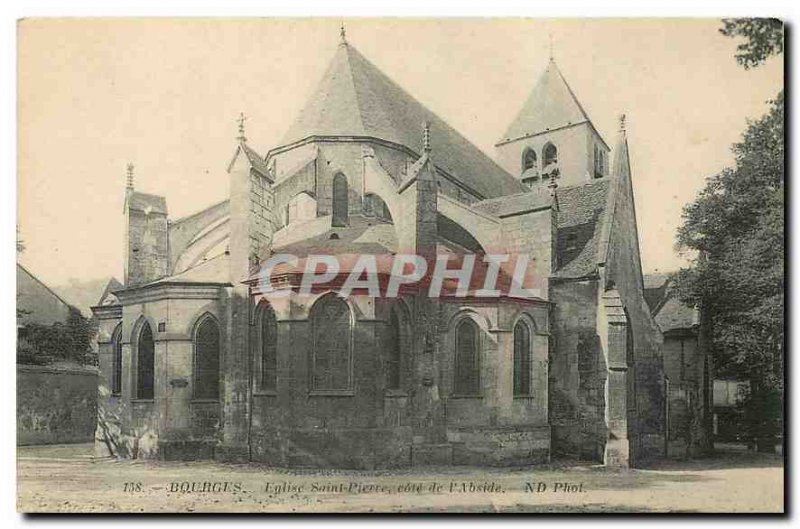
56 404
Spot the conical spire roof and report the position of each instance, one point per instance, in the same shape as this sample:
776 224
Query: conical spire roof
621 167
551 105
355 98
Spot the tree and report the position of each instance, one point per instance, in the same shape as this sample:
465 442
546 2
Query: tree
763 38
70 340
736 226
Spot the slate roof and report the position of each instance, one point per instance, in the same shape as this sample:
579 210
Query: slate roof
551 105
668 311
355 98
515 204
147 202
581 214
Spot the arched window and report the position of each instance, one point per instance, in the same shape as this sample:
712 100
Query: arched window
206 359
549 155
467 364
374 206
331 362
301 207
145 362
116 361
528 160
268 348
394 347
340 212
522 359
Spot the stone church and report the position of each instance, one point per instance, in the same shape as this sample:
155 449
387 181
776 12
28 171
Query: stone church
199 360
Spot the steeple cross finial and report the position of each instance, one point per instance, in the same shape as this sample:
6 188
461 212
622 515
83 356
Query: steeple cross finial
622 124
426 137
342 34
241 119
129 184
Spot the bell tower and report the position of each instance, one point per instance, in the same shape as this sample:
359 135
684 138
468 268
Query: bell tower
553 137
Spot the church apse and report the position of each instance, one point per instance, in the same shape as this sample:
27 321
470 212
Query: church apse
280 363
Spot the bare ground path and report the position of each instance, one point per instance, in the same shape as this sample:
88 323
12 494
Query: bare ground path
69 478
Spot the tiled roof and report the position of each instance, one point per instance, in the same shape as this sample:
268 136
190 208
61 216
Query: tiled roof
551 105
581 214
147 202
517 203
355 98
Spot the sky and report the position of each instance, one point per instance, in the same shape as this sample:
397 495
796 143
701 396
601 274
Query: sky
164 94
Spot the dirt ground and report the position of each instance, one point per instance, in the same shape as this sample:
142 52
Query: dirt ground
69 478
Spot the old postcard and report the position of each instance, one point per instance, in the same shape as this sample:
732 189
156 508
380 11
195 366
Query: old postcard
400 265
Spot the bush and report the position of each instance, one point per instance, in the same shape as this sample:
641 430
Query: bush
43 344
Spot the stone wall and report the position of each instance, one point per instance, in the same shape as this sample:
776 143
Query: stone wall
496 427
147 250
373 426
577 372
500 446
56 404
295 425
